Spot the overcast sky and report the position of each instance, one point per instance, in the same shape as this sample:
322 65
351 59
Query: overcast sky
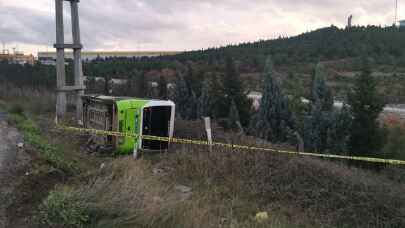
181 24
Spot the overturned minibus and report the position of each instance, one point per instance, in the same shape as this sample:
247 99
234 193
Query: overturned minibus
129 115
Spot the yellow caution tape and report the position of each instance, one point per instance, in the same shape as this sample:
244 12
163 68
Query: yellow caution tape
227 145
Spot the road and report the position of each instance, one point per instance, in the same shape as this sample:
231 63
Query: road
9 161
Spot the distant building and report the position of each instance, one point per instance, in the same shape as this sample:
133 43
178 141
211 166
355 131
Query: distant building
256 98
17 58
49 58
402 23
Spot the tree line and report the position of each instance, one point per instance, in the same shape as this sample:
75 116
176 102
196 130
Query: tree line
353 129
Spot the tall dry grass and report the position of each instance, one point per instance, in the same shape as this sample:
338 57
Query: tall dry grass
311 191
35 100
38 101
127 193
230 186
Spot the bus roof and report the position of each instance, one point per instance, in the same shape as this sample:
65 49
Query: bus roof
115 99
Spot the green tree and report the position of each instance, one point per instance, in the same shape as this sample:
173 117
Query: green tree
395 147
184 98
233 88
274 121
91 85
339 131
136 84
204 105
217 97
295 91
320 91
325 129
318 123
162 88
107 84
367 138
233 120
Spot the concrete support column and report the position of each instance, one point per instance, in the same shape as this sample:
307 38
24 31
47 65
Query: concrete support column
78 69
60 60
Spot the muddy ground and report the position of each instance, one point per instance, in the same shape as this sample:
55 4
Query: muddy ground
12 162
25 178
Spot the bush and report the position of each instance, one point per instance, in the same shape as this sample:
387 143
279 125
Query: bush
63 208
16 109
395 146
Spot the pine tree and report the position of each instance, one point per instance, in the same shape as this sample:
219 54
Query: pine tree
318 122
91 85
184 98
234 90
325 129
136 84
218 101
320 91
315 129
274 121
366 104
107 85
233 120
141 84
193 77
204 101
162 88
339 131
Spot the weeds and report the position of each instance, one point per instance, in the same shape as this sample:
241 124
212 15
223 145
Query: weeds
32 136
308 190
229 187
38 101
62 208
16 109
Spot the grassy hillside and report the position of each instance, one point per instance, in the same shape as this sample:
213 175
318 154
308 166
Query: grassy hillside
192 187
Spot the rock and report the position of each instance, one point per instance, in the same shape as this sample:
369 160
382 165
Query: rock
183 189
158 172
20 145
185 192
102 165
157 199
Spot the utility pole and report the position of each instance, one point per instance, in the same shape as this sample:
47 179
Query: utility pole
396 12
60 46
349 21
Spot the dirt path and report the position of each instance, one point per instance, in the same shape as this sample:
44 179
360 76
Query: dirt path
11 158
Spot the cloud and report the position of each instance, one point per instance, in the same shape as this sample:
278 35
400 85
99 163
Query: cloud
182 24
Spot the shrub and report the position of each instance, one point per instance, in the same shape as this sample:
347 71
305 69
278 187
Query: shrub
63 208
395 146
16 109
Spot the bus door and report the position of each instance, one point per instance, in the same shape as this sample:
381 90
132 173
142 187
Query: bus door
156 122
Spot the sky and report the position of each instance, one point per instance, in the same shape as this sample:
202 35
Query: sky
179 25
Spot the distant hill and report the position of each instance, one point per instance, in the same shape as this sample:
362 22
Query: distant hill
339 49
385 44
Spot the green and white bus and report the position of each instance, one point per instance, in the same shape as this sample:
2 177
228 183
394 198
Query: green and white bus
129 115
